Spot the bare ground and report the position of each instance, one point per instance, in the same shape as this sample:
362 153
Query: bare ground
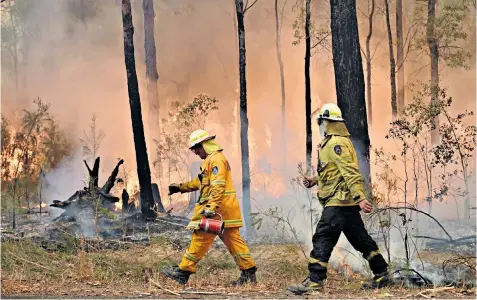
30 272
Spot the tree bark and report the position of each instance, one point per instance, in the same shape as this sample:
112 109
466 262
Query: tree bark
392 63
157 198
349 78
125 201
434 51
143 171
247 207
368 65
282 85
112 178
400 56
309 142
151 71
93 174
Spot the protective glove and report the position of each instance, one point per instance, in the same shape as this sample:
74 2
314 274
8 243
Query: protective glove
174 188
208 212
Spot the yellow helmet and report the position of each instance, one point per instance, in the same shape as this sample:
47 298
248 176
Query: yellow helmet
198 137
330 111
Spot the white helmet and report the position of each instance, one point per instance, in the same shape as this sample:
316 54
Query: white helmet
330 111
199 136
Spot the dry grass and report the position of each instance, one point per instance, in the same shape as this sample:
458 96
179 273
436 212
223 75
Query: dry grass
29 271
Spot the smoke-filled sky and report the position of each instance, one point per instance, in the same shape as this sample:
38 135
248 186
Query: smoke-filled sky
75 61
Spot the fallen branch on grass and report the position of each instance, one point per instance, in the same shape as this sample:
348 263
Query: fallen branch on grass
465 238
163 288
30 262
434 291
200 293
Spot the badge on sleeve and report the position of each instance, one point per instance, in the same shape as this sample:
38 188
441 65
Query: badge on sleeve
338 149
215 170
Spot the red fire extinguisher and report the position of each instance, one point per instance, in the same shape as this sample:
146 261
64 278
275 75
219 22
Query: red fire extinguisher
212 225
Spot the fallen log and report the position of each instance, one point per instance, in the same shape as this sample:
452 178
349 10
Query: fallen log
91 196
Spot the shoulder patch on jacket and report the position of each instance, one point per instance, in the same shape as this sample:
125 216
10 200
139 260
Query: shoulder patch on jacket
215 170
338 149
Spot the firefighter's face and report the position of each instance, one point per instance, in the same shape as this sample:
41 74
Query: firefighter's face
199 151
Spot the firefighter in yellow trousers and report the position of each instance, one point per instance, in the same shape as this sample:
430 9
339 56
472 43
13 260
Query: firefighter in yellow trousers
217 196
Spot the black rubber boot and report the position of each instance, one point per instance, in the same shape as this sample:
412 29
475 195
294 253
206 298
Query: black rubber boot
379 281
247 276
177 274
305 287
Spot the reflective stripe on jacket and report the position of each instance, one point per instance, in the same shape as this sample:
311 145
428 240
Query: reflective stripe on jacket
217 191
339 181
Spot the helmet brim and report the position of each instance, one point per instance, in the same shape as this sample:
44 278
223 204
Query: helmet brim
330 119
204 140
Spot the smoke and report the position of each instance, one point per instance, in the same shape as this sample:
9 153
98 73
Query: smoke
63 181
78 66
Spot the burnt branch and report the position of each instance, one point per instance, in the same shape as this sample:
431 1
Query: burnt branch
418 211
93 174
112 178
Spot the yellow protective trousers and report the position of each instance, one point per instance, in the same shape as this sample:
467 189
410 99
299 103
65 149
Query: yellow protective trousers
202 241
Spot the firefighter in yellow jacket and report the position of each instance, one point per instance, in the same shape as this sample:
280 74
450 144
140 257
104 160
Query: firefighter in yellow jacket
217 196
341 193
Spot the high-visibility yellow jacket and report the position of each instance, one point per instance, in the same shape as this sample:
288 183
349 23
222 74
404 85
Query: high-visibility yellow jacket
339 181
217 191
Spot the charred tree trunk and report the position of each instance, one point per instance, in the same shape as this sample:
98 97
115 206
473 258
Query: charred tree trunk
125 201
392 63
400 56
143 171
93 174
157 198
309 142
368 65
247 207
349 78
434 51
151 71
282 84
112 178
14 203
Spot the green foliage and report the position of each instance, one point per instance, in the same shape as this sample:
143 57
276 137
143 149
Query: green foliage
36 144
320 33
449 31
183 120
444 166
107 213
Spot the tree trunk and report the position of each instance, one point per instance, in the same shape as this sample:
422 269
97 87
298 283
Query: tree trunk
434 51
392 63
247 207
282 85
157 198
93 174
349 78
151 72
14 203
143 171
368 64
400 56
125 201
309 142
15 45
